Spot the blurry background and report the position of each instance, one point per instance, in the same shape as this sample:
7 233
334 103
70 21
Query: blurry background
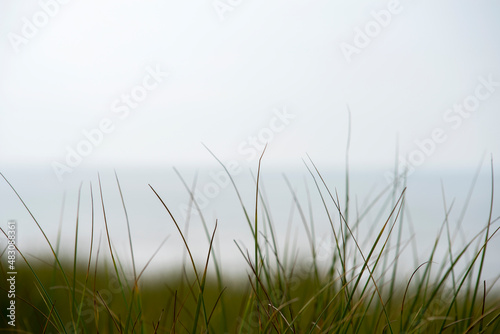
84 88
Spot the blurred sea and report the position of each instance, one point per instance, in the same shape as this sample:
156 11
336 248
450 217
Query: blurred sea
426 197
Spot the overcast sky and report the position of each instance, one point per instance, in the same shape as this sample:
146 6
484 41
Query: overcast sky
241 73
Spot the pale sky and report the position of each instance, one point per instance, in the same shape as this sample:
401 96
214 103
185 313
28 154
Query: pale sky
233 70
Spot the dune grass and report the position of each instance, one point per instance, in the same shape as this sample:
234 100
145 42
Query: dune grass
346 286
